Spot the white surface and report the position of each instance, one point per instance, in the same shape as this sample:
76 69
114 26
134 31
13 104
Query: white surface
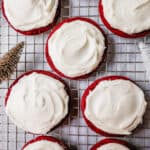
123 58
145 53
80 50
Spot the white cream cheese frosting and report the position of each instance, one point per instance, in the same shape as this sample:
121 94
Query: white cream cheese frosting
130 16
76 48
113 146
116 106
37 103
44 145
26 15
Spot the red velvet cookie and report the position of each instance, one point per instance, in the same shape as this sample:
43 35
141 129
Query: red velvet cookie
110 141
104 103
42 101
34 31
118 31
60 32
45 138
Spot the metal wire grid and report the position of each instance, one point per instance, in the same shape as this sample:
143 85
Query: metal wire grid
123 58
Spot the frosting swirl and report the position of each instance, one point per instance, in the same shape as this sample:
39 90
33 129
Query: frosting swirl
115 106
44 145
26 15
113 146
126 15
37 103
80 49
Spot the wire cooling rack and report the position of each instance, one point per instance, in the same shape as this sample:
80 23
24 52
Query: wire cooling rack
123 58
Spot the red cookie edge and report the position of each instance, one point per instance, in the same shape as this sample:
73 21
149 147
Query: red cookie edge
83 103
38 30
50 75
107 141
117 31
49 60
47 138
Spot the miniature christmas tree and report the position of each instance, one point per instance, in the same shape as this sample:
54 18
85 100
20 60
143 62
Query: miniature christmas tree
9 61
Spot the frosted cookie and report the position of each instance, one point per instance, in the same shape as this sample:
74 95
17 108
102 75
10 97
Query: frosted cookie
113 105
44 143
112 144
75 48
31 17
126 18
37 102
